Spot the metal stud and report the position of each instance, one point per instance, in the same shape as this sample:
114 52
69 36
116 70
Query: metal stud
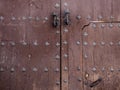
103 69
1 18
85 43
100 17
57 44
102 43
94 69
2 43
57 82
78 17
85 56
35 43
119 43
79 79
37 18
111 43
46 18
47 43
85 34
57 57
29 55
57 5
78 68
78 42
35 69
65 55
94 25
65 42
12 43
111 17
1 70
65 68
12 70
94 43
13 18
110 25
111 69
24 18
30 17
65 81
23 69
57 70
102 25
57 32
88 17
65 4
24 43
66 30
45 69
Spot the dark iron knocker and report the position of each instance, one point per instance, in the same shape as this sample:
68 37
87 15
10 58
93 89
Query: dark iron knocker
67 17
56 20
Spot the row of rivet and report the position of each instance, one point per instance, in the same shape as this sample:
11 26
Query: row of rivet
24 70
25 43
93 69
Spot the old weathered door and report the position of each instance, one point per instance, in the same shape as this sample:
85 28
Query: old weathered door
91 45
29 45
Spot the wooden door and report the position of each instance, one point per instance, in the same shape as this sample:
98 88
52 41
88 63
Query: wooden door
91 45
29 45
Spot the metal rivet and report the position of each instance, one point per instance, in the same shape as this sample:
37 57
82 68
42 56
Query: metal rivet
85 43
85 34
100 17
78 68
24 43
103 69
35 43
65 42
94 69
57 57
13 18
78 42
86 75
102 43
57 70
37 18
79 79
85 56
65 30
102 25
65 68
65 55
23 69
65 4
119 43
111 43
2 43
46 69
46 18
47 43
94 25
1 18
111 17
78 17
110 25
57 32
57 44
12 70
12 43
29 55
1 70
57 5
94 43
111 69
30 17
35 69
65 81
57 83
88 17
24 18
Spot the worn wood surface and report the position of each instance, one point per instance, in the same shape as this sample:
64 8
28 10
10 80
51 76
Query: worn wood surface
26 29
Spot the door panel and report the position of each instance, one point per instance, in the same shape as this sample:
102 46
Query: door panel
86 47
30 46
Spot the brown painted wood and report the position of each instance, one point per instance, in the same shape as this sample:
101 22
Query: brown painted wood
27 30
